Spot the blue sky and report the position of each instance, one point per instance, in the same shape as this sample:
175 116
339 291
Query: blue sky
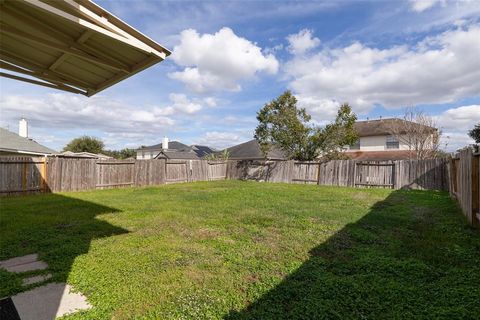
231 57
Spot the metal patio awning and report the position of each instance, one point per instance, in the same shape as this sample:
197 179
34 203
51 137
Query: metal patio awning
71 45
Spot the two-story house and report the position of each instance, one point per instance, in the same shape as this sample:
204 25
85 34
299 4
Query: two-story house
376 141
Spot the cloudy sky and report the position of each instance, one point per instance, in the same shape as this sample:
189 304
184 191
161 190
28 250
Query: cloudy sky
231 57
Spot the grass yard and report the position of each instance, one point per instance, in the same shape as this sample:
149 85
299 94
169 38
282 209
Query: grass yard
246 250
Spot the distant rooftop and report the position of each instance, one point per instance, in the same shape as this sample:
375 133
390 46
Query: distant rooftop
12 142
379 127
251 150
172 145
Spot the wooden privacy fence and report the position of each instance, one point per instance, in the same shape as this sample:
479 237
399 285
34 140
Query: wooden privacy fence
398 174
31 174
38 174
465 183
21 174
374 174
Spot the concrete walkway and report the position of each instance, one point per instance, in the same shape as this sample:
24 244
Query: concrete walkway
46 302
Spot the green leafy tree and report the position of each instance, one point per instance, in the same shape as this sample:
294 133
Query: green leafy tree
85 144
330 140
121 154
475 133
282 123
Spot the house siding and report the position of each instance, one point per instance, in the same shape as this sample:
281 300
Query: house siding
377 143
147 154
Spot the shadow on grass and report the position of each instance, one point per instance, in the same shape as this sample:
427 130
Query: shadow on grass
57 227
411 256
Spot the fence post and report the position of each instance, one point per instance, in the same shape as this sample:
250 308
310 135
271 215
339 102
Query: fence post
475 191
318 173
44 174
24 177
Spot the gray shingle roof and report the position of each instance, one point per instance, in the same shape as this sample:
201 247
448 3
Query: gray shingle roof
174 145
202 151
378 127
12 142
251 150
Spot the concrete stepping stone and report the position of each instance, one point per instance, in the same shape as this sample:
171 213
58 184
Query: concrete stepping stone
19 260
49 302
26 263
36 279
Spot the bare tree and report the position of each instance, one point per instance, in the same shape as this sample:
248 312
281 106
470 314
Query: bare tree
418 132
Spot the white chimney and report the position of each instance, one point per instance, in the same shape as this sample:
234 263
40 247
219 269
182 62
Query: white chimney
23 128
165 143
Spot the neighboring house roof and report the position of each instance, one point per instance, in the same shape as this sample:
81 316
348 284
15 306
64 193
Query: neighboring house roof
202 151
251 150
172 145
379 127
379 155
12 142
86 155
177 155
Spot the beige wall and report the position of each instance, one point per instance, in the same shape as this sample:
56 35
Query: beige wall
377 143
147 154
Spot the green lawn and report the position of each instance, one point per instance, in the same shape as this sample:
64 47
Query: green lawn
247 250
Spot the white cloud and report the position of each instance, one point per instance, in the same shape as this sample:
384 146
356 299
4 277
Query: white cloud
54 118
210 101
460 118
321 110
455 124
422 5
302 42
221 140
183 104
439 69
218 61
59 110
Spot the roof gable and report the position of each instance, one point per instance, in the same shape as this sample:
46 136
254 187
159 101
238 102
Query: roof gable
177 155
172 145
13 142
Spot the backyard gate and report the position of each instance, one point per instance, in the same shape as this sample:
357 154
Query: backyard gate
114 174
217 170
23 175
374 174
305 172
177 171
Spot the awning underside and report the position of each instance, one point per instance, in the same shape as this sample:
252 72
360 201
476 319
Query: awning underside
71 45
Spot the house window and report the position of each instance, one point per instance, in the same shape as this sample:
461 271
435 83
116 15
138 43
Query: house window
356 145
392 142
